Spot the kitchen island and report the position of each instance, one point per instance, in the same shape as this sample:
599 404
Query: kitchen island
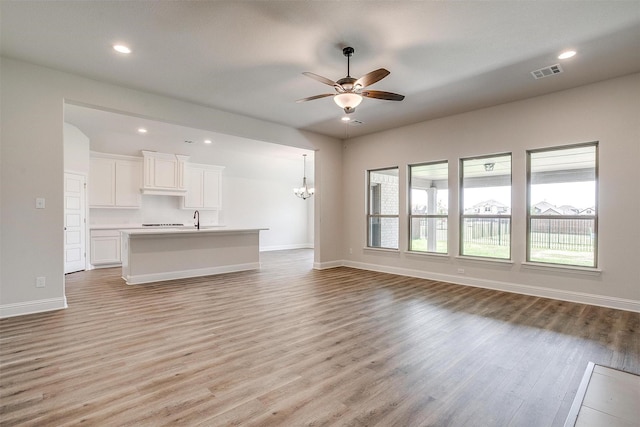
177 253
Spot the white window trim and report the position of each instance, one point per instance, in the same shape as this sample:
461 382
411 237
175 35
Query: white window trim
576 269
595 216
485 260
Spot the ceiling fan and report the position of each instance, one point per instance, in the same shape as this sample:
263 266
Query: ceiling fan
349 91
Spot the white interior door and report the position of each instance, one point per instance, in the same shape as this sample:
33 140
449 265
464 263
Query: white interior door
74 222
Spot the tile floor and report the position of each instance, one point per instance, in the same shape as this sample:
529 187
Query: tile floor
606 397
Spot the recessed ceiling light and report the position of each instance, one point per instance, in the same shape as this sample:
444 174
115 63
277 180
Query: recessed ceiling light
121 48
346 119
567 54
142 130
207 141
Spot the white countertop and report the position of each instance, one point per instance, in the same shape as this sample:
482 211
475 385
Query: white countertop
141 227
154 231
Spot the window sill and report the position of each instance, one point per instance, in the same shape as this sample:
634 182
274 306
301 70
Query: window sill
483 260
427 254
388 250
589 271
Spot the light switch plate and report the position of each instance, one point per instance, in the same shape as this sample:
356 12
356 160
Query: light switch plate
40 203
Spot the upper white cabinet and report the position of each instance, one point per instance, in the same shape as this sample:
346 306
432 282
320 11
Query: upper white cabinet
164 174
204 187
114 181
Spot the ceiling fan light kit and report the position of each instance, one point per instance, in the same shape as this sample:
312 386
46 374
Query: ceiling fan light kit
349 91
348 101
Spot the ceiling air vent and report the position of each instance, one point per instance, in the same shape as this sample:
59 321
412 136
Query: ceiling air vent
547 71
355 122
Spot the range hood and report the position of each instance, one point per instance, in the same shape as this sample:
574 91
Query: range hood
164 174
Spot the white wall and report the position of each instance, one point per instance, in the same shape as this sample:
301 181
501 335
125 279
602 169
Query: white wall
32 155
76 150
607 112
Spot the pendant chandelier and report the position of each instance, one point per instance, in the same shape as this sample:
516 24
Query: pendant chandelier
304 192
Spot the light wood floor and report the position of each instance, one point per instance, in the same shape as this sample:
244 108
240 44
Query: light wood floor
290 346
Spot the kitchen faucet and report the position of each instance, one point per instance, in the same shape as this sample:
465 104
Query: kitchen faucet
196 216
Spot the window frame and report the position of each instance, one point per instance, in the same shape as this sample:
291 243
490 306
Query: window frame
463 216
595 216
370 216
411 216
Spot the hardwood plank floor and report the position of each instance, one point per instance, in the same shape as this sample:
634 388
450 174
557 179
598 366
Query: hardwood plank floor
288 345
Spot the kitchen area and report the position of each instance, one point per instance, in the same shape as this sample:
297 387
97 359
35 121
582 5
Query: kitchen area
164 203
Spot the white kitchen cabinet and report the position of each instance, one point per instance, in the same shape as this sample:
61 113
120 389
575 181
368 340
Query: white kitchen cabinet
204 187
102 185
114 181
164 174
105 248
128 180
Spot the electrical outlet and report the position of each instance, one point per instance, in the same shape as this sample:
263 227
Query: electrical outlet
461 271
40 282
351 250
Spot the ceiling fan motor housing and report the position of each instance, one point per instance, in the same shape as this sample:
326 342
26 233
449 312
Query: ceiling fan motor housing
346 83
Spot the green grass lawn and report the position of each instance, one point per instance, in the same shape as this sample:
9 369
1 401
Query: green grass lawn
555 256
552 256
420 245
484 250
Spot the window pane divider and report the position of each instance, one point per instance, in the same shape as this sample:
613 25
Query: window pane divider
533 216
489 216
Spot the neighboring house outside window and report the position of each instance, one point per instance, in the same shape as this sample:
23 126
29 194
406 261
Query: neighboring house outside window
383 208
428 207
485 206
562 223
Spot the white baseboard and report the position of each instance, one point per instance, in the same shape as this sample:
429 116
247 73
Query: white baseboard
39 306
99 266
330 264
184 274
32 307
286 247
579 297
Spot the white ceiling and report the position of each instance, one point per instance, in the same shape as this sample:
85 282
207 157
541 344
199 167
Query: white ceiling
247 56
117 133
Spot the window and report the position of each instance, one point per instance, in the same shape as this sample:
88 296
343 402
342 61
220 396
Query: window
382 214
485 206
562 205
429 206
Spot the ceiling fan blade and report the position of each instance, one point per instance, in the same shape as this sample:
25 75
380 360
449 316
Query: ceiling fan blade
378 94
311 98
372 77
320 79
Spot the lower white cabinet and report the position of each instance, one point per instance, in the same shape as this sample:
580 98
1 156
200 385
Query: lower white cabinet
105 247
204 187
